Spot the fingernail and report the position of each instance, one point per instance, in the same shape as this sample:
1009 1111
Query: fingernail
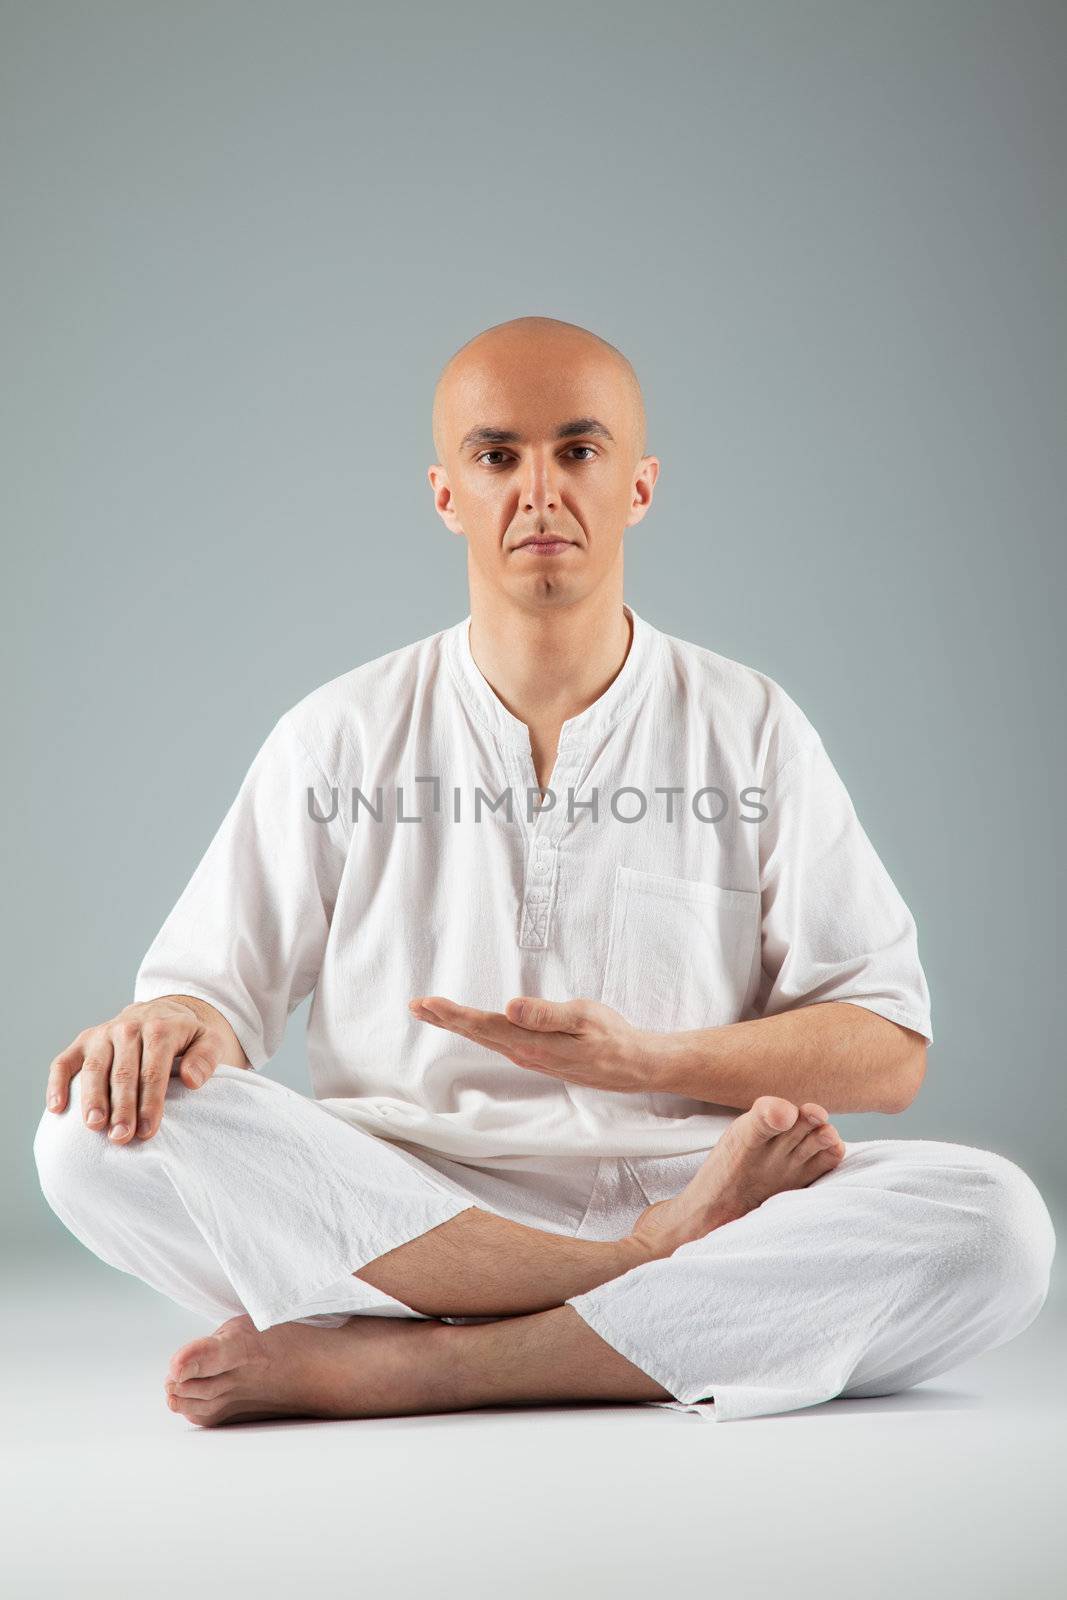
195 1078
143 1127
54 1103
95 1117
119 1131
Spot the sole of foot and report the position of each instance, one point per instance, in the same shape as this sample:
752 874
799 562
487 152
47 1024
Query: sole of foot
772 1147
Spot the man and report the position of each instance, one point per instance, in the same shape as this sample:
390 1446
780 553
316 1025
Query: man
595 937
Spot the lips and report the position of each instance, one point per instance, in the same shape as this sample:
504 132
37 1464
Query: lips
542 544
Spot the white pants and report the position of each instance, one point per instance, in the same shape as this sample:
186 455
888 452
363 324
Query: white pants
908 1258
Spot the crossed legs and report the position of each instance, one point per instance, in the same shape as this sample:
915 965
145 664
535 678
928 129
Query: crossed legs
479 1263
450 1258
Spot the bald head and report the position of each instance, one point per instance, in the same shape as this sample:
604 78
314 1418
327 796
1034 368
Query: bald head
522 354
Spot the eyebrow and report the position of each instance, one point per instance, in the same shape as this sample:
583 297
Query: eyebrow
569 430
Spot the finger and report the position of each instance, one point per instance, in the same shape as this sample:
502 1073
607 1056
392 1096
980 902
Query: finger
469 1019
490 1029
544 1016
493 1030
435 1022
459 1019
557 1061
125 1076
548 1031
196 1068
449 1011
160 1042
63 1068
421 1002
548 1050
96 1072
556 1054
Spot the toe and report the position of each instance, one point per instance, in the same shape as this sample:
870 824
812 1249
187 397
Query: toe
205 1413
202 1388
820 1141
812 1115
229 1346
771 1115
814 1112
820 1163
203 1358
186 1361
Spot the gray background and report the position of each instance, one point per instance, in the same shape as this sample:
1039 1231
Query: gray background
242 241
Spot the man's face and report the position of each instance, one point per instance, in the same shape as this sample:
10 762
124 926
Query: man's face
507 476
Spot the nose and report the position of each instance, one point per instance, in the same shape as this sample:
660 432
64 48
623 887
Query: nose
540 492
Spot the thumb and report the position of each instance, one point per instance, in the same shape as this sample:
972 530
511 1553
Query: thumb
542 1016
196 1068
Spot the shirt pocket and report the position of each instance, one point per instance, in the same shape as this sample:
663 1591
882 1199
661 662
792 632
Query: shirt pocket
681 953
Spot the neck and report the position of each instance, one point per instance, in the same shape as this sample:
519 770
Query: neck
549 664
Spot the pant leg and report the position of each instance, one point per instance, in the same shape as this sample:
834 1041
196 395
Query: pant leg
910 1257
250 1197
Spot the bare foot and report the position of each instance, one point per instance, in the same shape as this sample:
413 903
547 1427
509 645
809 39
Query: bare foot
368 1367
769 1148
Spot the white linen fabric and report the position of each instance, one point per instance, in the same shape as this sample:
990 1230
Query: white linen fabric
697 861
908 1258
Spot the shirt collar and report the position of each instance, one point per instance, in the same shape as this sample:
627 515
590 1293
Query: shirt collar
622 695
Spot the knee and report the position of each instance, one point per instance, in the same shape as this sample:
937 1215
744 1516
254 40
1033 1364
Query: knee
1015 1233
81 1171
72 1160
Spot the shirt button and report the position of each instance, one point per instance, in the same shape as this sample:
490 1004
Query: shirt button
541 864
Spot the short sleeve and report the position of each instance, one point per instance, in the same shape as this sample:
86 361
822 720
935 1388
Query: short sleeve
249 930
834 926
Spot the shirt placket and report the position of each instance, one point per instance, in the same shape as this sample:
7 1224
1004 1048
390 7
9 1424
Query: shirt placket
541 839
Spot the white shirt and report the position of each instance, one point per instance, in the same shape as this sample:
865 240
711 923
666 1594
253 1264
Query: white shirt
675 919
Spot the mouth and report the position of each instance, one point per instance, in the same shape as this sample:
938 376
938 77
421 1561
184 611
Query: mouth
545 547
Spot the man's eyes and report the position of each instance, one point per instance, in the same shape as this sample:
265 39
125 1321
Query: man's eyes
486 453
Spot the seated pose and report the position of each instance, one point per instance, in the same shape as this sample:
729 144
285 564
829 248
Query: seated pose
596 943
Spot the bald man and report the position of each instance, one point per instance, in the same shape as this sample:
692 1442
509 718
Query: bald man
597 943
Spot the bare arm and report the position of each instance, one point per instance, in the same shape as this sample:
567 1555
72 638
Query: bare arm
842 1055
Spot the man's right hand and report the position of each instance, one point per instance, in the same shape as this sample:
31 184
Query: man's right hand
127 1062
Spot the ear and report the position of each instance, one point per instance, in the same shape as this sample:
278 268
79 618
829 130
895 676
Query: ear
442 498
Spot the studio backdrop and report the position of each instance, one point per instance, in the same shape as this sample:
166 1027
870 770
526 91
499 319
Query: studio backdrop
235 263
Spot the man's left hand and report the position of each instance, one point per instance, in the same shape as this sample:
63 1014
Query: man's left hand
582 1041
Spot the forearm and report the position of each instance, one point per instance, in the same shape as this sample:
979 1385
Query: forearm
208 1014
842 1056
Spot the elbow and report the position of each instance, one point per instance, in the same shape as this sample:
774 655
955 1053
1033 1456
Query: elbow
908 1078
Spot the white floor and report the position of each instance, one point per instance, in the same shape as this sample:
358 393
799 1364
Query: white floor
952 1488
